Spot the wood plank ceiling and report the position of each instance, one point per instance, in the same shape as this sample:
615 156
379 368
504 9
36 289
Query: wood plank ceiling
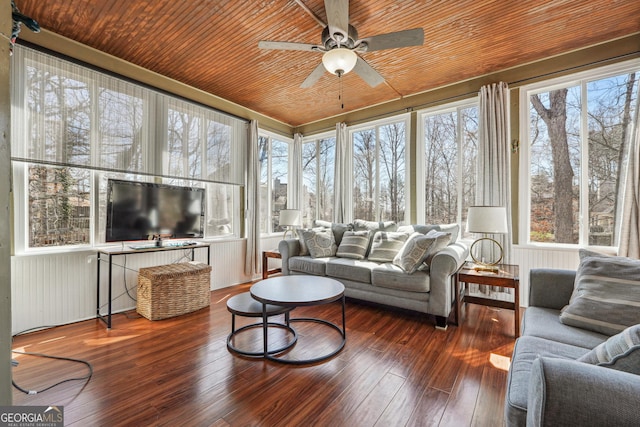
213 45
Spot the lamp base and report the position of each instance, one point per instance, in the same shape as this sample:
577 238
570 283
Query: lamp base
293 234
482 265
486 268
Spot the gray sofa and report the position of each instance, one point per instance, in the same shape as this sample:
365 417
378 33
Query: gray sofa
547 384
427 290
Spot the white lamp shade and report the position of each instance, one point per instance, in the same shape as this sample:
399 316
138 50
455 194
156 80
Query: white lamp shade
339 60
487 219
290 217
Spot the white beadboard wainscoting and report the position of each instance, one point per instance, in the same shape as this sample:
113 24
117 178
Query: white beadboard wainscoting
52 289
528 257
59 288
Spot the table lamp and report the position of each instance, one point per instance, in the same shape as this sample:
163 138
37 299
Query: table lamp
486 220
290 218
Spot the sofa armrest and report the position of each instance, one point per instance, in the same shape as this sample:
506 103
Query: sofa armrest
444 265
550 288
567 392
288 248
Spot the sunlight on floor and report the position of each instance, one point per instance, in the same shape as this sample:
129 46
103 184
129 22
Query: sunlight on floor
53 339
110 340
19 350
500 362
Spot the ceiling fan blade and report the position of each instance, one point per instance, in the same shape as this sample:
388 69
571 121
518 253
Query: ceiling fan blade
314 76
337 18
287 46
368 74
414 37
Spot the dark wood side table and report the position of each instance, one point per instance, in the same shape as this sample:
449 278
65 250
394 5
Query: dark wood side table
265 263
506 277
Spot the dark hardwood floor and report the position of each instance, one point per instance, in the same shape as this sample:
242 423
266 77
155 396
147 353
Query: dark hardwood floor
396 369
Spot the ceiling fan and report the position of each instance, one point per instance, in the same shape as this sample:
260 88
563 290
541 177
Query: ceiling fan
341 45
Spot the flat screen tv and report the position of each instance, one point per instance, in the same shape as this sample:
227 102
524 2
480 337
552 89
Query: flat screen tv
142 210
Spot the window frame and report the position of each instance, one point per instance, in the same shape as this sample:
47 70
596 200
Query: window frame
289 141
377 124
153 145
421 171
315 139
580 79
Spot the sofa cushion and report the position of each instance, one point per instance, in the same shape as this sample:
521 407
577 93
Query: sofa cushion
606 295
391 276
354 244
308 265
526 350
545 323
320 243
351 269
385 245
413 252
453 229
621 352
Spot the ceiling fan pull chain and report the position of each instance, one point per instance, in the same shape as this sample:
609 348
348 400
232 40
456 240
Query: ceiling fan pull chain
341 90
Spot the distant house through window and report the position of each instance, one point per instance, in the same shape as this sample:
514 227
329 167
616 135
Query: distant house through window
273 154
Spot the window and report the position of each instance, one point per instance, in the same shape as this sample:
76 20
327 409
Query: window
73 128
379 171
273 154
318 169
449 136
576 151
58 206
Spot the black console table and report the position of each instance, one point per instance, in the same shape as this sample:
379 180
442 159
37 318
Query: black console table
107 254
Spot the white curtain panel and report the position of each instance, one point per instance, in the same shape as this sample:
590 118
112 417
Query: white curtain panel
252 256
493 181
494 155
294 200
630 226
342 189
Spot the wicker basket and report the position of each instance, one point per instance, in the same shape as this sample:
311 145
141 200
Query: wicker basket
171 290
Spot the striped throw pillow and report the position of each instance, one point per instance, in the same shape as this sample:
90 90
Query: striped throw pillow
621 352
354 244
606 294
386 245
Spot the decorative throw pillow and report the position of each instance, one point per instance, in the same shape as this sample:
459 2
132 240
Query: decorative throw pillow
338 228
354 244
303 246
442 241
621 352
320 243
373 226
452 229
386 245
360 224
606 294
413 252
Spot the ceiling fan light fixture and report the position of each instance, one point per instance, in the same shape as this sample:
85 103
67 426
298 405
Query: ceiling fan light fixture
339 60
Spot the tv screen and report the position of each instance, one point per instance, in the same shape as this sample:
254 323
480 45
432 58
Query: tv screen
141 210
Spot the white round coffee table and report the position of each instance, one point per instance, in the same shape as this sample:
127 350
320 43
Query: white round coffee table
297 291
